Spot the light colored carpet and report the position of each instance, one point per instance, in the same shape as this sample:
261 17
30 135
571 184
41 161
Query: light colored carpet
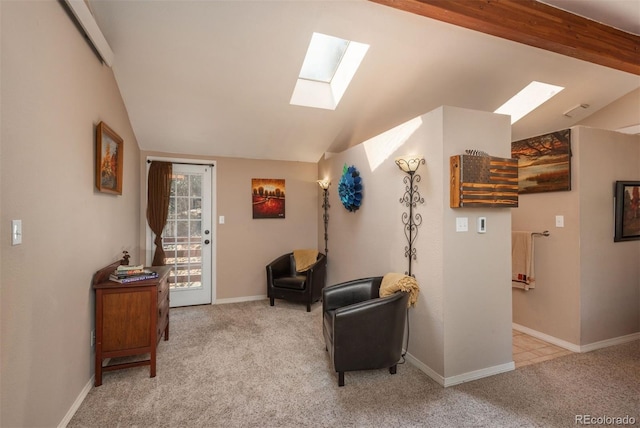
252 365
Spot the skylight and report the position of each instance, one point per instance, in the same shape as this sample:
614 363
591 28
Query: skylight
323 57
531 97
327 70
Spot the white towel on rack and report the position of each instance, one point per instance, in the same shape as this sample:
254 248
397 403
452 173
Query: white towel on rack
522 260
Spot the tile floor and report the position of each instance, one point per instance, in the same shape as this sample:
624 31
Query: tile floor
529 350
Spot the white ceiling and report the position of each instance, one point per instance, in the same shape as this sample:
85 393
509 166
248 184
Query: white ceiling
214 78
621 14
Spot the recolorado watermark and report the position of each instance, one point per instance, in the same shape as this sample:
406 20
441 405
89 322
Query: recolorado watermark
604 420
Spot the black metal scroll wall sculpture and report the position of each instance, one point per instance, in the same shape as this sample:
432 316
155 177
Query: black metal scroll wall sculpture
410 199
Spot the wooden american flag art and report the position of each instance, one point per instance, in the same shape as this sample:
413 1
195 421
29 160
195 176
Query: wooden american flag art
482 181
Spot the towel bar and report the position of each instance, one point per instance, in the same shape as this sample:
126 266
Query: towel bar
545 233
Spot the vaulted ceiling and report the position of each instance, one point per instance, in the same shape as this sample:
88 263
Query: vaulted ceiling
214 78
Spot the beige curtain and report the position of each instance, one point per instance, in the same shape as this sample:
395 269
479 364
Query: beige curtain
159 189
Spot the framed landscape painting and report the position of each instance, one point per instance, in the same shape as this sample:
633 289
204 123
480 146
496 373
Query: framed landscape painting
544 162
627 211
109 158
268 197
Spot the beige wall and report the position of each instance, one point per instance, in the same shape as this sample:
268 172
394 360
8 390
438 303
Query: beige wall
244 246
54 92
462 320
553 306
609 271
477 292
587 286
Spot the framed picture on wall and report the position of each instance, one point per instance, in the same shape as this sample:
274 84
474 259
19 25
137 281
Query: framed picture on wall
627 211
267 197
109 160
544 162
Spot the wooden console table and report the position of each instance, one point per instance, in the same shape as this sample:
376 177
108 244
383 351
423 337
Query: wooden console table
130 318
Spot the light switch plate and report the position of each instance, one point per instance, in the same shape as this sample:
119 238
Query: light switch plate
462 224
559 221
16 232
221 219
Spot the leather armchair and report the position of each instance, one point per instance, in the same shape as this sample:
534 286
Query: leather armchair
283 282
361 330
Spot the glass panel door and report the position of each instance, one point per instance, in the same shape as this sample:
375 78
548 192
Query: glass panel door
187 235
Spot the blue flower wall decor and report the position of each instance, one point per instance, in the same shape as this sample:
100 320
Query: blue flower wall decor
350 188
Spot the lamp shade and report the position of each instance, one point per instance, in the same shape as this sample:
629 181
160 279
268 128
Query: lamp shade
324 184
409 164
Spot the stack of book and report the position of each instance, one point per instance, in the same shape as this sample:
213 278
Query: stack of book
124 274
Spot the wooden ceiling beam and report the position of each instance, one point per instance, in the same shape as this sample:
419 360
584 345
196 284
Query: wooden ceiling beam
535 24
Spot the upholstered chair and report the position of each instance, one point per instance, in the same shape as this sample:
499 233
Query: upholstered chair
363 331
284 281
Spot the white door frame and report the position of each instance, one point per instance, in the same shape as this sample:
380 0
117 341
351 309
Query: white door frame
214 238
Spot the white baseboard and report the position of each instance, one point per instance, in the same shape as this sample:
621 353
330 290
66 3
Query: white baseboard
542 336
425 369
577 348
239 299
479 374
76 404
461 378
610 342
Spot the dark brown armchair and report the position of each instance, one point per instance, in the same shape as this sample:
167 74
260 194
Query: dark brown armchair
284 282
361 330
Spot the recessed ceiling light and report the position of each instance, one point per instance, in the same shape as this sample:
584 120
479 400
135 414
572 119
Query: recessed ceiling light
528 99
